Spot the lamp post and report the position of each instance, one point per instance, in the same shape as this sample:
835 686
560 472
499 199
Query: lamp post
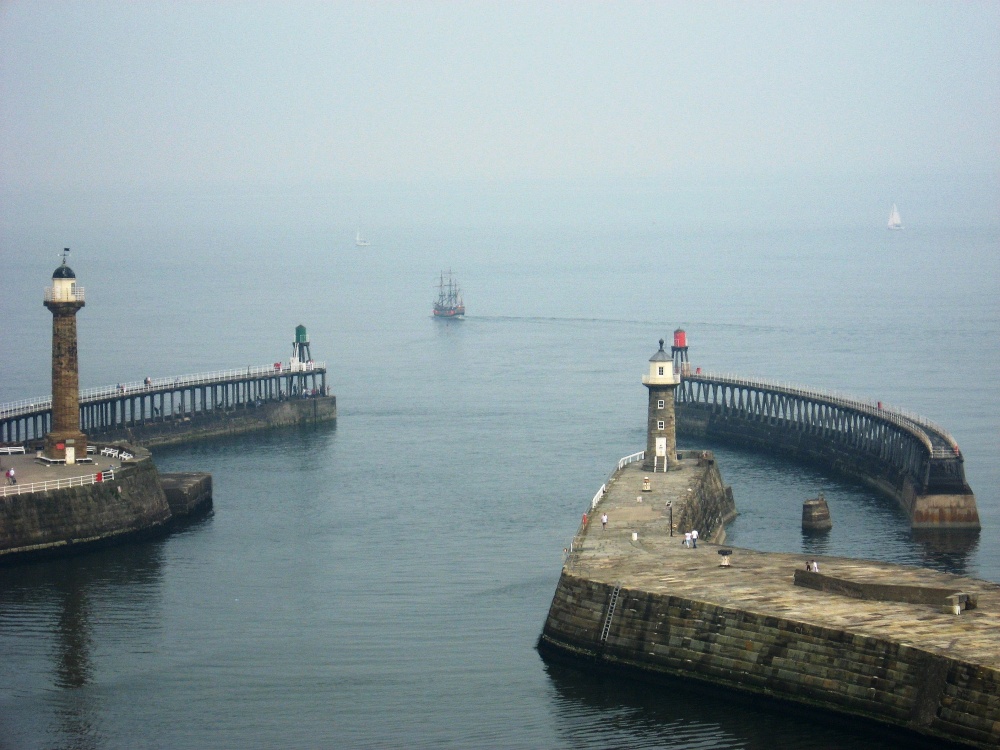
670 508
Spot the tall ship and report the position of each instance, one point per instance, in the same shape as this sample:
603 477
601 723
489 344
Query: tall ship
449 304
895 220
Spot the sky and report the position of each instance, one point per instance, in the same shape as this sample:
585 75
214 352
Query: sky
187 97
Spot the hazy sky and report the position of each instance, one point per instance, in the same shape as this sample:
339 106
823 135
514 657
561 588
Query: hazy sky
97 94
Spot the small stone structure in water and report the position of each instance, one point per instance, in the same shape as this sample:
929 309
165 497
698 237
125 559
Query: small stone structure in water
816 514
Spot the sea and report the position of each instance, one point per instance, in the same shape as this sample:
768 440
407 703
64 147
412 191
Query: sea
381 581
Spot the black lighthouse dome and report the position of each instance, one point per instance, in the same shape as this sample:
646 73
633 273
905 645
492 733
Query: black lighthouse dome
64 271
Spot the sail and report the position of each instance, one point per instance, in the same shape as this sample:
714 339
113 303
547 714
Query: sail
895 220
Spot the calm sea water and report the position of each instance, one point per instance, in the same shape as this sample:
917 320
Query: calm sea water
381 582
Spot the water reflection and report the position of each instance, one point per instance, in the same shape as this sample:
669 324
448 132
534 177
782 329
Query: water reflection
64 606
816 542
73 668
949 550
602 711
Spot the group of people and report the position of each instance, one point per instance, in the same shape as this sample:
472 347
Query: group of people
11 479
812 566
691 539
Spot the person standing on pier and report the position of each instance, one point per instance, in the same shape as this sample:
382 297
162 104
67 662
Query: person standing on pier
604 520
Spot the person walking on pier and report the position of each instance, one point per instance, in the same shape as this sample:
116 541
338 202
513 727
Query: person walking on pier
604 520
694 538
687 539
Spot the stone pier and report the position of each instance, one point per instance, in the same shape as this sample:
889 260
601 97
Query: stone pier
863 639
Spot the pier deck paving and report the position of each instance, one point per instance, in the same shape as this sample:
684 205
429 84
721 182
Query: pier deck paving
28 469
762 581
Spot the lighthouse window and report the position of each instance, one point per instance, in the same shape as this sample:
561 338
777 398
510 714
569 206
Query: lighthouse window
660 404
659 425
661 371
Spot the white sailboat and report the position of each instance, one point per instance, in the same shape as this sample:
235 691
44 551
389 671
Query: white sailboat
360 241
895 220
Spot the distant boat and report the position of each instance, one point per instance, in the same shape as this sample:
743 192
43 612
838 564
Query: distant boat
361 241
449 304
895 220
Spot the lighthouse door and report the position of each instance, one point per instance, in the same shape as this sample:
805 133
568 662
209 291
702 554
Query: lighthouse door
661 447
71 455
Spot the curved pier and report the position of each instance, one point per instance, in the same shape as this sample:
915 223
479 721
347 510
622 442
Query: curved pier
902 455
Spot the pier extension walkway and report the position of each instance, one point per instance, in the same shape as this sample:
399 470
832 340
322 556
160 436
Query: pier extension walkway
110 409
902 455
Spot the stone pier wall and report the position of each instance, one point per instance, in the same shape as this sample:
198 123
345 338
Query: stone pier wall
712 505
189 493
658 635
132 504
233 422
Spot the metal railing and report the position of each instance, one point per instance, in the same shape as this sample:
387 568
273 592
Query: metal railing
75 294
622 463
899 417
25 406
57 484
598 496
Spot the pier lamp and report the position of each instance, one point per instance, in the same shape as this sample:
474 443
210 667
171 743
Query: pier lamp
670 509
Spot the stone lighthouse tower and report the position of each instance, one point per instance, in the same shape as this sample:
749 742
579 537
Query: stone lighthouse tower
661 436
64 298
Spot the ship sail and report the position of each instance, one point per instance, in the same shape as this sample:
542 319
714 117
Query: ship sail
895 220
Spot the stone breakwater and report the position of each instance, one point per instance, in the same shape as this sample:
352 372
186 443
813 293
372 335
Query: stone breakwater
131 504
203 426
631 598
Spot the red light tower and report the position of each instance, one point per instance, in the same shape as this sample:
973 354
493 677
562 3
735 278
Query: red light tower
679 352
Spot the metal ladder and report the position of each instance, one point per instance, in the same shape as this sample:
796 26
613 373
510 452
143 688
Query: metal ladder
611 612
